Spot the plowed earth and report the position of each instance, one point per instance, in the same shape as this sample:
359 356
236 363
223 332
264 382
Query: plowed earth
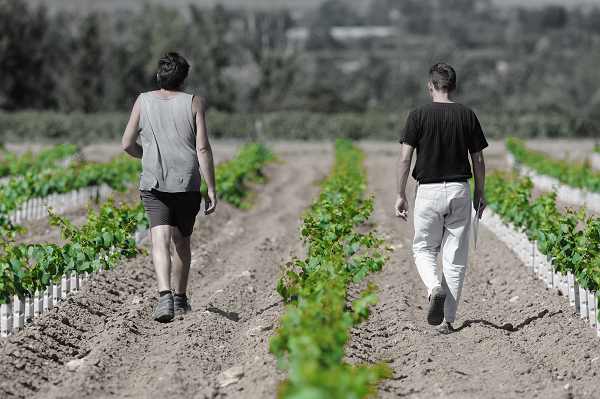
100 343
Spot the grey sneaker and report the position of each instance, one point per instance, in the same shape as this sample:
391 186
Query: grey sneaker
181 305
435 314
164 309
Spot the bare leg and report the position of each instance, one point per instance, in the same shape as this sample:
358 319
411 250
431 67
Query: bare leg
181 260
161 242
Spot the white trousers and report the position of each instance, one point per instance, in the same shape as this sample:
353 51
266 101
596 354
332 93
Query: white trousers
442 217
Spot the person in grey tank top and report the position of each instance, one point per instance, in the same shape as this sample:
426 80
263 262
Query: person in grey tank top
174 146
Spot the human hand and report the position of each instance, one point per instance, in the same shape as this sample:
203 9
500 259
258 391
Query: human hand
481 207
210 202
402 208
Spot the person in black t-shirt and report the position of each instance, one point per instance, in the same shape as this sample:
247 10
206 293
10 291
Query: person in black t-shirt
443 133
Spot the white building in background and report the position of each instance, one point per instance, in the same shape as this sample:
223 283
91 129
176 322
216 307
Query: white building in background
361 32
346 32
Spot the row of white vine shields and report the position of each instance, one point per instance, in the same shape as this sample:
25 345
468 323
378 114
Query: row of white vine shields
14 313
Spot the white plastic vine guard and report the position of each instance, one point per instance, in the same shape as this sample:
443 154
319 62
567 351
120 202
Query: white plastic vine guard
549 277
541 270
564 287
56 292
65 291
29 313
592 308
556 276
74 281
573 292
529 253
48 297
6 319
537 258
18 313
583 303
38 304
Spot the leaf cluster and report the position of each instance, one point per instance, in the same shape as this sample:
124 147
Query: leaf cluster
316 322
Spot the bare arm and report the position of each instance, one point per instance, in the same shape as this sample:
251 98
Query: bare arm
402 176
479 175
132 131
205 156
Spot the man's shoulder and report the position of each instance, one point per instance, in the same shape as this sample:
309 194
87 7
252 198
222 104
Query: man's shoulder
434 108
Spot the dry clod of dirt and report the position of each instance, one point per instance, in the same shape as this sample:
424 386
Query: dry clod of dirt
246 273
259 329
136 300
250 288
230 376
514 298
74 364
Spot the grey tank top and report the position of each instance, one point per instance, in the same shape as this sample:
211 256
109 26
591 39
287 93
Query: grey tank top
170 162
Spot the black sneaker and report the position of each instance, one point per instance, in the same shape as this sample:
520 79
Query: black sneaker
446 328
435 314
164 309
181 305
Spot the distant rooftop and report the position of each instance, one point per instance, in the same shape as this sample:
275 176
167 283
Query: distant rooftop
347 32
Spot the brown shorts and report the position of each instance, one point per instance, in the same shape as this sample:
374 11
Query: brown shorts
172 209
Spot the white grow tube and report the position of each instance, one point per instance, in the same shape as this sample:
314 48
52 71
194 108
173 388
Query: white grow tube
573 292
38 304
6 319
18 313
583 303
48 298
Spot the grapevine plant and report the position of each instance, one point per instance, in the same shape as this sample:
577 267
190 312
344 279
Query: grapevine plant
567 172
558 237
315 325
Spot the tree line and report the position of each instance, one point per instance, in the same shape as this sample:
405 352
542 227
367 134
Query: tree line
513 61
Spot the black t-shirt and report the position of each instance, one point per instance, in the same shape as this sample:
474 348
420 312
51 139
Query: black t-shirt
443 134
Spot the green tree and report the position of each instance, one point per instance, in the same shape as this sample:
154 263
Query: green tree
86 72
156 30
212 55
26 56
274 55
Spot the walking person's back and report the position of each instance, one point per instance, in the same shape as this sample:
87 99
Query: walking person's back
443 133
174 145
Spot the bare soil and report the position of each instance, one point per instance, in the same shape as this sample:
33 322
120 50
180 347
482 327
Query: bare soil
100 343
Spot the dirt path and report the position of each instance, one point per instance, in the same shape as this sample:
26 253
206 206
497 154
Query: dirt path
531 347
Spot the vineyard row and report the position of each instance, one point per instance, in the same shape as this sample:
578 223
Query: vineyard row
315 325
560 248
27 272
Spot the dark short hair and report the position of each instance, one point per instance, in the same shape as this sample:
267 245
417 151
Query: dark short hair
443 77
172 71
